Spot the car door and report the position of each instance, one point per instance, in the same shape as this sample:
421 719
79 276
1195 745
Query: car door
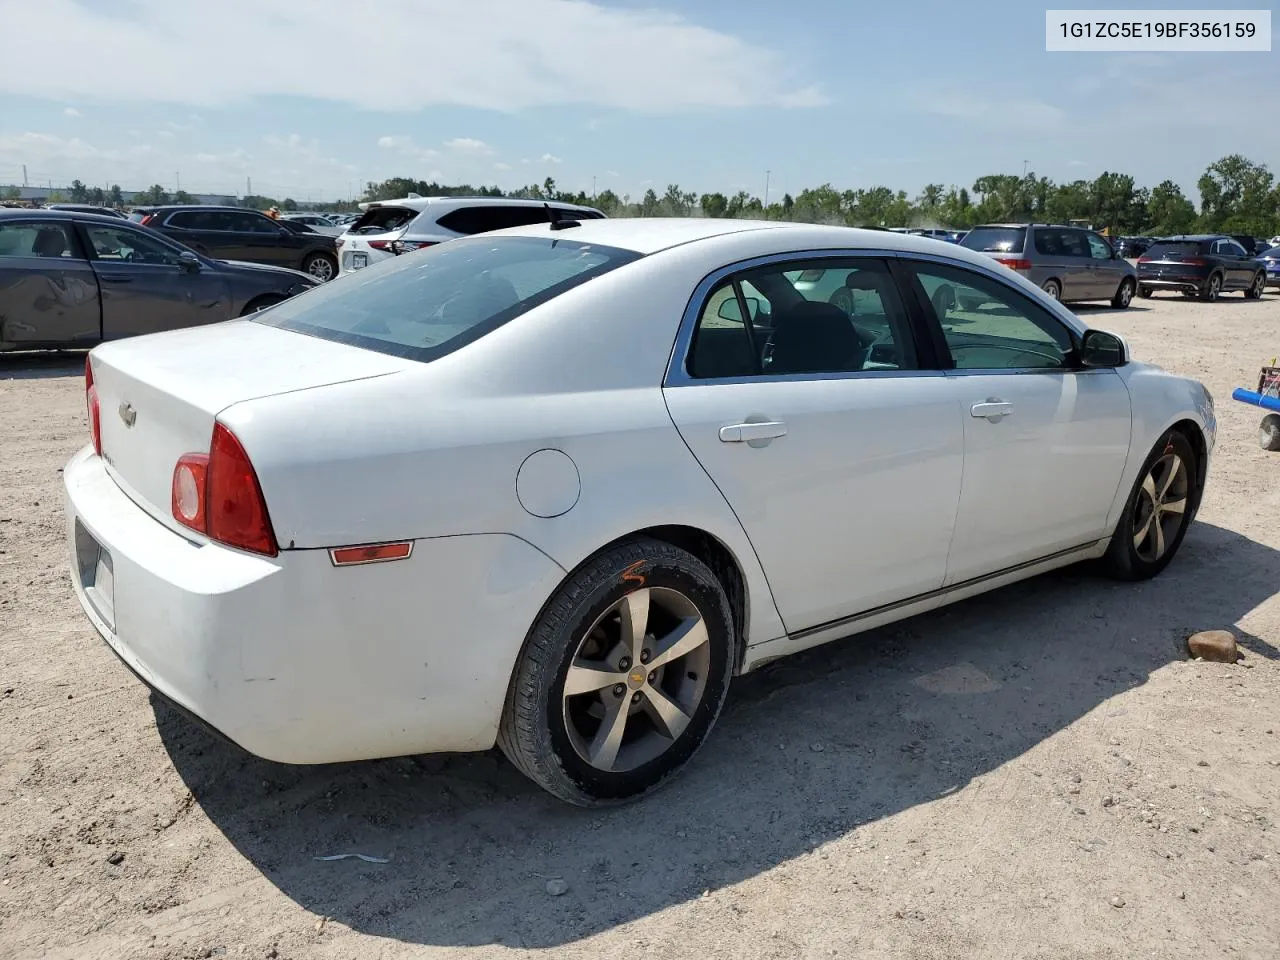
1239 268
254 237
1106 268
147 284
1056 259
1045 441
48 294
839 454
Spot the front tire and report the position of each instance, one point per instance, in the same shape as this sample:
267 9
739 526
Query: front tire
321 266
1159 510
622 676
1124 295
1269 432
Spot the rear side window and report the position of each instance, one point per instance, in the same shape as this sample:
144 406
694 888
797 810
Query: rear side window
1061 243
43 239
428 305
383 220
995 239
1176 248
482 219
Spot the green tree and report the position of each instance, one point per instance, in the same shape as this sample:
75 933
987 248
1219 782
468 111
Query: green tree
79 193
12 193
1168 212
608 202
714 204
116 195
1236 195
97 196
155 195
289 204
183 197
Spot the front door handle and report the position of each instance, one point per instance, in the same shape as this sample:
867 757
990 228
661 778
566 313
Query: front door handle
114 278
746 432
992 409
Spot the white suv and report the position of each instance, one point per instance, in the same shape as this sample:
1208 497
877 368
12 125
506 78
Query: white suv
389 228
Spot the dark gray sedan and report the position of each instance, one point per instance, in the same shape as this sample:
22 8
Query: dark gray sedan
70 279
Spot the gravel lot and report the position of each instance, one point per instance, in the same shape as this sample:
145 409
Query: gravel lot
1039 772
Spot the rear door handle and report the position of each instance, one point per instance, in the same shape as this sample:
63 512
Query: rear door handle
746 432
991 410
114 278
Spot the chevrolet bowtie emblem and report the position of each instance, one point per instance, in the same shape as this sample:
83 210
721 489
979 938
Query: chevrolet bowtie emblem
128 414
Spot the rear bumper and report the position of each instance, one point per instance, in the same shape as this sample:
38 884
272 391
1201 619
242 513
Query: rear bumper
298 661
1192 284
351 256
1273 279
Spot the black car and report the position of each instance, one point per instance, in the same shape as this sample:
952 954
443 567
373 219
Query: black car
1202 266
1255 246
231 233
86 208
72 279
1132 247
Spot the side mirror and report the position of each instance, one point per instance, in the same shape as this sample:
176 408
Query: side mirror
729 309
189 262
1102 350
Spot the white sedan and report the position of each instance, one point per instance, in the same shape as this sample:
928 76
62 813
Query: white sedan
554 487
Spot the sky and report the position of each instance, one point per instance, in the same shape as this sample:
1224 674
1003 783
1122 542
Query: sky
310 100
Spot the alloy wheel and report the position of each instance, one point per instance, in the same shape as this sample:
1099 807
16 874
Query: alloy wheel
1126 293
321 269
1215 285
1161 508
1259 282
636 679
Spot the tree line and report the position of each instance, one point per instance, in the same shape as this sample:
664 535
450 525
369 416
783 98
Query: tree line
1236 196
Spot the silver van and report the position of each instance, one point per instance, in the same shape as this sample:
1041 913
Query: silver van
1068 263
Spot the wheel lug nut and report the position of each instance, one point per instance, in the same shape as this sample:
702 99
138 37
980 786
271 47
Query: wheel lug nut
635 697
644 656
624 663
653 676
619 689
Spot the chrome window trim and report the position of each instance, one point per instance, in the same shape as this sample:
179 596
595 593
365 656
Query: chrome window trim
677 375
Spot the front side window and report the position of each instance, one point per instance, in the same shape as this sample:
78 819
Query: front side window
27 239
428 305
1099 249
122 245
831 316
988 326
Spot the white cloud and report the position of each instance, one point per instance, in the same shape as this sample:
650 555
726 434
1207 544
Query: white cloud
406 147
468 145
71 112
550 158
502 166
520 63
991 111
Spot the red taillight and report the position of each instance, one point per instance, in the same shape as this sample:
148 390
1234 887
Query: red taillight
408 246
1193 261
218 494
92 407
1013 264
380 244
1144 259
147 218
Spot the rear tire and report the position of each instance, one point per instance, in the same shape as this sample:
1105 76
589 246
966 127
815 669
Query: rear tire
1269 432
260 303
322 266
1123 295
635 721
1254 292
1158 512
1145 292
1052 288
1211 289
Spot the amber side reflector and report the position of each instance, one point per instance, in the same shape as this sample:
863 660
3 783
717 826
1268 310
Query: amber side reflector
370 553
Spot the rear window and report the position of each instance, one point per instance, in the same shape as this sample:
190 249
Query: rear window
1177 248
995 239
430 304
383 220
482 219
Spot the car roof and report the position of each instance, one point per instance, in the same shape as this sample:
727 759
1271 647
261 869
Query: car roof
645 235
18 213
423 203
1195 236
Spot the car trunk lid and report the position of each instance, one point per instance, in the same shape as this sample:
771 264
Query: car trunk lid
159 395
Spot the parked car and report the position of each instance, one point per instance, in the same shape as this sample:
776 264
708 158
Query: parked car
389 228
478 497
1201 266
314 222
1068 263
231 233
1270 260
70 279
1252 245
1132 247
86 208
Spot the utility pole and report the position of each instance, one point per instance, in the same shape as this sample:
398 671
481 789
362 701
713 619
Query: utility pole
766 188
1024 167
248 186
177 181
24 176
593 189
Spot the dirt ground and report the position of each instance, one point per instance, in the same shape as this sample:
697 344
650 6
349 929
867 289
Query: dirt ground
1039 772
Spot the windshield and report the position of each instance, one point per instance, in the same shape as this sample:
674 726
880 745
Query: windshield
383 220
995 239
1182 248
428 304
